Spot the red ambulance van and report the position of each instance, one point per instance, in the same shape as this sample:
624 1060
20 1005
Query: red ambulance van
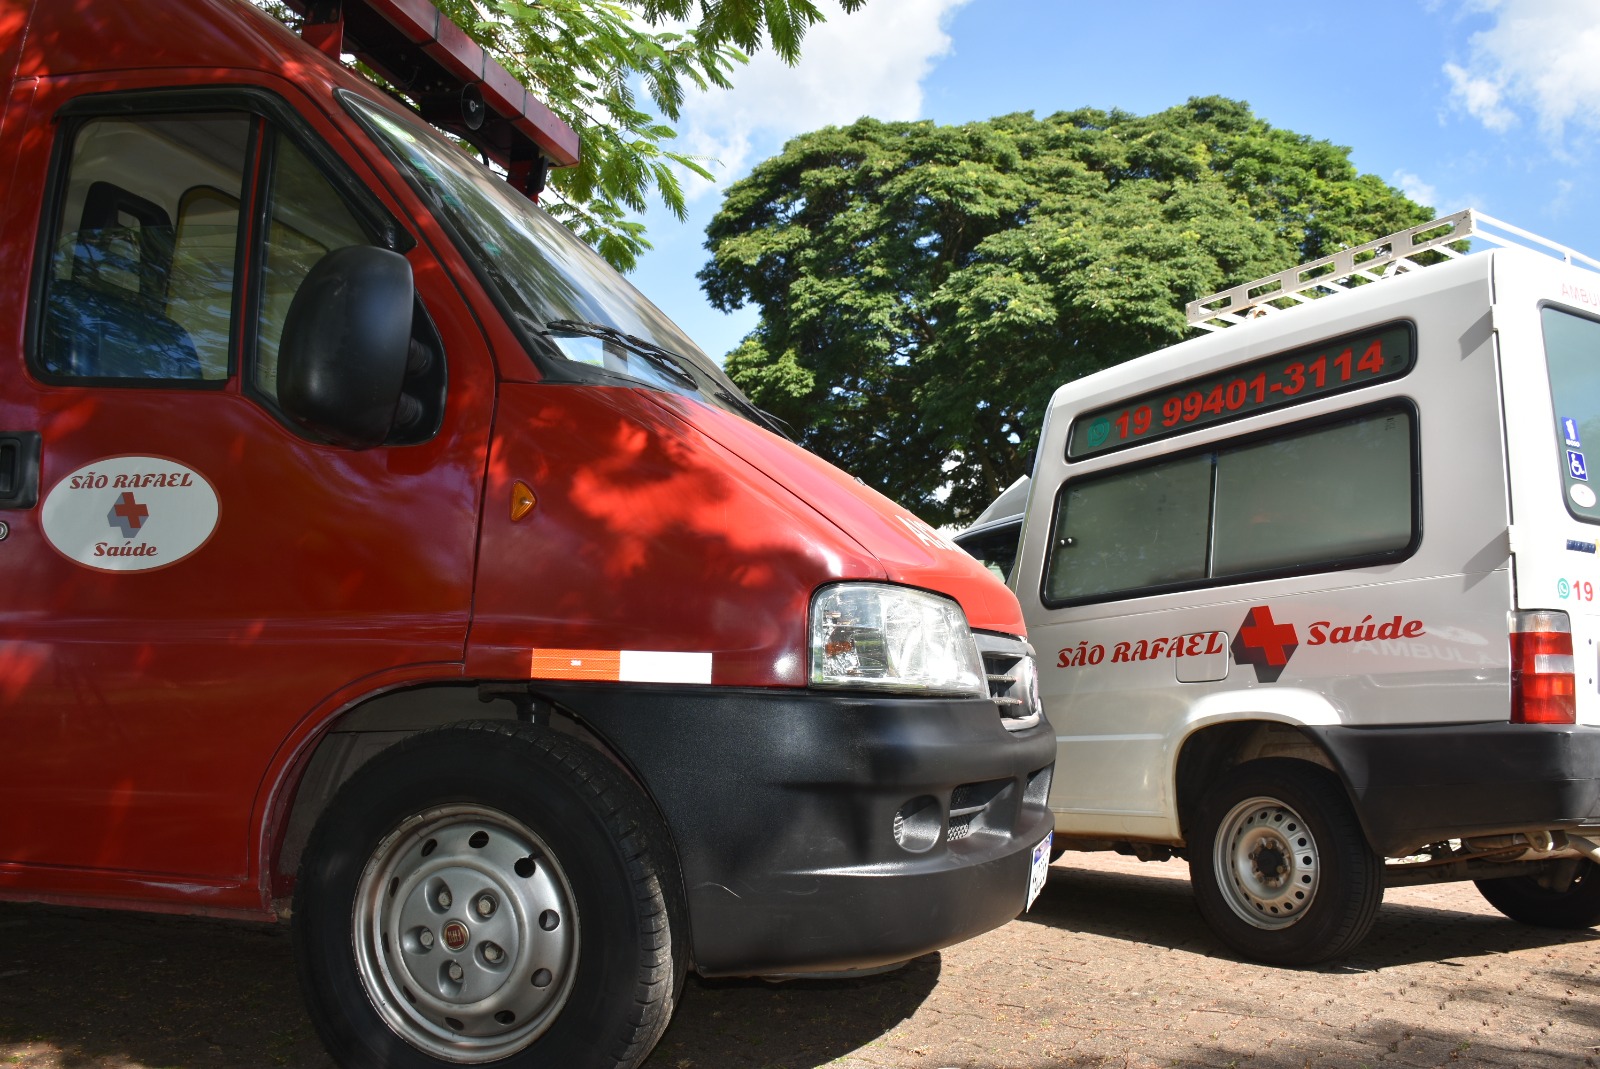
373 553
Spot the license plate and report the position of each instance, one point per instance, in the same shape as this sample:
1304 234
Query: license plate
1038 871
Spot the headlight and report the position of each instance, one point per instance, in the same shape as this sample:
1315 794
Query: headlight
872 635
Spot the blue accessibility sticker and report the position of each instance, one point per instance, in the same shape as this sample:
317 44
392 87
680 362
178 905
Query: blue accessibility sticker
1576 465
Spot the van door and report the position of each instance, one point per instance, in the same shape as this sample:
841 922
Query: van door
190 577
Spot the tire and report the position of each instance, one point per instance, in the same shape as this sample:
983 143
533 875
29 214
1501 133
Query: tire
1281 870
1528 901
489 894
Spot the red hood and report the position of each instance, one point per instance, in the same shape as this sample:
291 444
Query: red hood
910 551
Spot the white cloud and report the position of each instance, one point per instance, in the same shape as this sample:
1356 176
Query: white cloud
868 63
1542 56
1481 97
1442 201
1416 189
1560 205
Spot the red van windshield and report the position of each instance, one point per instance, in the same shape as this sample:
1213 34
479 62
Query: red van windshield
567 303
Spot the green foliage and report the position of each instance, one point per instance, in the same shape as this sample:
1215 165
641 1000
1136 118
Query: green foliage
583 58
924 289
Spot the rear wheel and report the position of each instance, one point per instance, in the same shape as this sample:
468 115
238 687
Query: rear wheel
1559 899
1281 870
489 894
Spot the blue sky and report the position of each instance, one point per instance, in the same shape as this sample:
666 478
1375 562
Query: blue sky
1492 104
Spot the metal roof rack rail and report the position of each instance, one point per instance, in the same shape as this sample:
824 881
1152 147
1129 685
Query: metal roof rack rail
1374 261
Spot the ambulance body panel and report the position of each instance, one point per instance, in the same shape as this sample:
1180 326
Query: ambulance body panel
1298 547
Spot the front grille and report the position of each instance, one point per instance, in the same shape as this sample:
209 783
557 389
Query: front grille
1013 679
970 798
969 803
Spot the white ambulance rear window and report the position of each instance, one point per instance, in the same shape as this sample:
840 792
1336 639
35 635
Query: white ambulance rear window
1572 351
1337 495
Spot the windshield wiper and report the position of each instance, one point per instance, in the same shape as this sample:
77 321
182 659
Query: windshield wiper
777 426
664 359
668 361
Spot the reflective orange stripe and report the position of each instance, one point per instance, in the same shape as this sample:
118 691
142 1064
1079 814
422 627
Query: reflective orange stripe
577 664
622 666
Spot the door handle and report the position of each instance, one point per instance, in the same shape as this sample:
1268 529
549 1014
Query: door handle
19 469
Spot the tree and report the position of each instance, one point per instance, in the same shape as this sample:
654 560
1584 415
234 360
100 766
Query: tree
583 58
924 289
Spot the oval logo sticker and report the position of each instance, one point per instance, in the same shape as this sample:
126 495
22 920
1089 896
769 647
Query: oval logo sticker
130 514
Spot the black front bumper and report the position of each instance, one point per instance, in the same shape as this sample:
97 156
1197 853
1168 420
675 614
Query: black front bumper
782 806
1417 785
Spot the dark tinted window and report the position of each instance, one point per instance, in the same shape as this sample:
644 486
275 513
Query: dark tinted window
995 548
1337 495
1572 351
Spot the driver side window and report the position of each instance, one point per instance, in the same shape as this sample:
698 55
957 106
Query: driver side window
140 281
177 242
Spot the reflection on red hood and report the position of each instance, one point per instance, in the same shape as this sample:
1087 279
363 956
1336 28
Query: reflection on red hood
911 551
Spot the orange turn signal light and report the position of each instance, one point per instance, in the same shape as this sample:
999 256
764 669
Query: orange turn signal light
522 500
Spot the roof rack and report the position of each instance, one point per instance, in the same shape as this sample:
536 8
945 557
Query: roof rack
1350 269
456 85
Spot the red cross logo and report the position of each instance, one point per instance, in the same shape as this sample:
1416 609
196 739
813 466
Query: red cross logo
1265 644
128 514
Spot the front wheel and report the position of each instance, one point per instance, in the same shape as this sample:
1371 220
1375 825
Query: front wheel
1281 870
489 893
1548 901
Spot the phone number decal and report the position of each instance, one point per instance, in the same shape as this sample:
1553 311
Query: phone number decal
1343 364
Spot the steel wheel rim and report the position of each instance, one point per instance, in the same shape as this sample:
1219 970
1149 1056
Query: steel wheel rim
465 933
1267 863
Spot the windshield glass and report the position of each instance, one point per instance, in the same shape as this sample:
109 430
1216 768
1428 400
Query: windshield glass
1572 351
569 306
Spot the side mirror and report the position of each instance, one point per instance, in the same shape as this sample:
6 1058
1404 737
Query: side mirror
342 358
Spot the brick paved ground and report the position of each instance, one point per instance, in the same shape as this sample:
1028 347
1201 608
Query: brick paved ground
1112 968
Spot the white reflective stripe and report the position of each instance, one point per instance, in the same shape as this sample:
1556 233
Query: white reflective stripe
651 666
1552 664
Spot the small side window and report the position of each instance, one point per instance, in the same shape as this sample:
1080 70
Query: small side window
995 547
1339 495
1328 495
140 281
306 220
1141 528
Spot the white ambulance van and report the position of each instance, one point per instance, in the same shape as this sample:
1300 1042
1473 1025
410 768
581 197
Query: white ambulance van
1314 593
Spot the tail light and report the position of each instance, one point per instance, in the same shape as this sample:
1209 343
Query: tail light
1542 687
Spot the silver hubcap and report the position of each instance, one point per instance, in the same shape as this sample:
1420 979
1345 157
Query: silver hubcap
466 935
1266 863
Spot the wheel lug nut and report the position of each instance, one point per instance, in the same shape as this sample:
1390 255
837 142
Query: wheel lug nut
492 954
455 972
425 937
485 905
443 898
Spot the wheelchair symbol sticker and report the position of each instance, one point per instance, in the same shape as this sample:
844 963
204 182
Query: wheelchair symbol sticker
1576 466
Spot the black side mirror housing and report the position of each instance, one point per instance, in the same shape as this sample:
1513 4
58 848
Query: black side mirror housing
342 358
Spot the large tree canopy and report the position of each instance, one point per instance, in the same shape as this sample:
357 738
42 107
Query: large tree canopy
924 289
